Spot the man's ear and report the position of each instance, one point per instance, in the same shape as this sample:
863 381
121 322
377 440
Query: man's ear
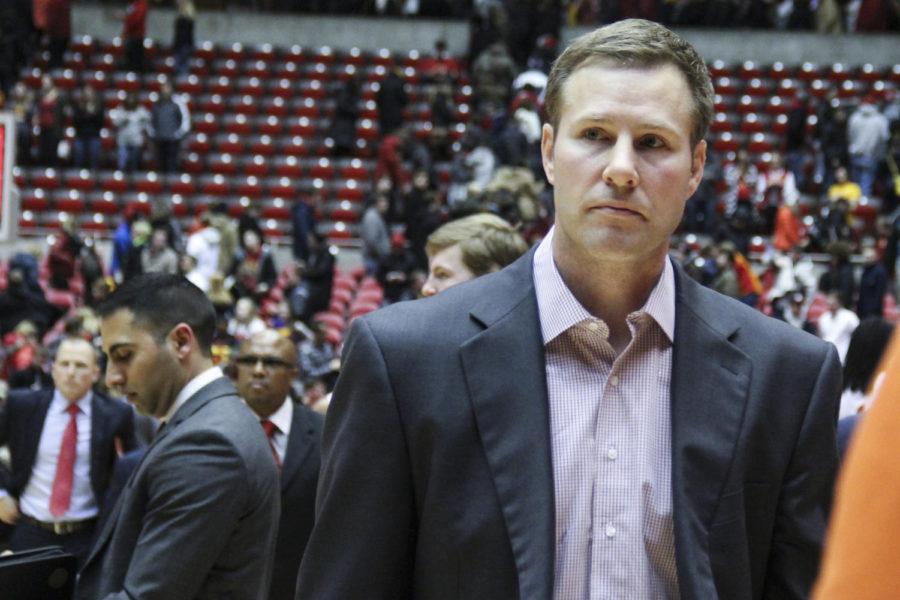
182 340
547 139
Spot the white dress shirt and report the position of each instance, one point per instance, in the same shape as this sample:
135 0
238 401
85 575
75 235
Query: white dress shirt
35 498
610 442
192 387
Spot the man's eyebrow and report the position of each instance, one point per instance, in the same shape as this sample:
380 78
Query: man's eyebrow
602 119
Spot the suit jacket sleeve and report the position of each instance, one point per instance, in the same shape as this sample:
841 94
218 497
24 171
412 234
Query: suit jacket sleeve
805 499
204 493
363 543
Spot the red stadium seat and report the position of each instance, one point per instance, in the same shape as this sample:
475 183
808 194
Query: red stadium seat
69 201
35 199
105 203
237 124
288 166
183 185
222 164
113 181
147 182
257 165
214 185
249 186
245 105
281 187
269 125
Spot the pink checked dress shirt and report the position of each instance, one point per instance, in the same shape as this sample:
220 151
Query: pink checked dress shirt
611 443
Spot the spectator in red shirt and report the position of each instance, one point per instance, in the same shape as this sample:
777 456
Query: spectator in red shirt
133 31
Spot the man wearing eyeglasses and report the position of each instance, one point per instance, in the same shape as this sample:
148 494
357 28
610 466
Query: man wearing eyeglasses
266 366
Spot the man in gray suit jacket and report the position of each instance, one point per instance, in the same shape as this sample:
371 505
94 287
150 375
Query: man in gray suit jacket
198 516
588 422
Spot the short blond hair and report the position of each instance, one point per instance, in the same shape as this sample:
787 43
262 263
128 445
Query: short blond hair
486 242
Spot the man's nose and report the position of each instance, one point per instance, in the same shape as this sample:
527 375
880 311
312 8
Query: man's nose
621 171
259 368
113 377
428 288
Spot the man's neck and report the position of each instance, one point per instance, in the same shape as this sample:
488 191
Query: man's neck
611 290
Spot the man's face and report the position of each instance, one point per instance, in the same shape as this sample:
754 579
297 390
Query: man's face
446 269
75 369
621 161
139 368
265 369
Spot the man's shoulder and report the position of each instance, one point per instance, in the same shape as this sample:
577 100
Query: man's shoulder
310 420
754 329
21 399
448 312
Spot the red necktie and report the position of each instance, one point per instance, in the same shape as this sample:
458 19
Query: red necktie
270 429
61 496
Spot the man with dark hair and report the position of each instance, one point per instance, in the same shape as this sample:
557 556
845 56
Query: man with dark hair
63 445
587 422
199 514
266 367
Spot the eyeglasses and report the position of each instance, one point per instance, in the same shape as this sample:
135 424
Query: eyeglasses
268 362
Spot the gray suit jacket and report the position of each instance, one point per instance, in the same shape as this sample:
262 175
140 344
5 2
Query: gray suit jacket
197 518
437 480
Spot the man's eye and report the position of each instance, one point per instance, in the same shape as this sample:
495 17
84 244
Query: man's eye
652 141
593 134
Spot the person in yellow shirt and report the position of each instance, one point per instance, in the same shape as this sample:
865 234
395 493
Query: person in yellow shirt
844 188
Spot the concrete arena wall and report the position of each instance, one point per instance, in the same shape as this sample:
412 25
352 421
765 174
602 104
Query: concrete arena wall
405 34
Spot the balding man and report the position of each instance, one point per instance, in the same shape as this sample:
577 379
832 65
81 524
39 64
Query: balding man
62 443
266 366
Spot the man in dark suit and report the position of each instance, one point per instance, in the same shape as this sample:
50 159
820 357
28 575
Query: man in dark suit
266 366
197 517
63 445
588 421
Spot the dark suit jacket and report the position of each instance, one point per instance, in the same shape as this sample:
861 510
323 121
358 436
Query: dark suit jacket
21 423
197 517
437 480
299 475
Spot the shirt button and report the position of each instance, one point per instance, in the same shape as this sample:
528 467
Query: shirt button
612 454
614 380
610 531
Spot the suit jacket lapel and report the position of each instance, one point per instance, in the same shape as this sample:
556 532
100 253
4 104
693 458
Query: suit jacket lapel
504 370
298 446
100 424
710 379
215 389
32 434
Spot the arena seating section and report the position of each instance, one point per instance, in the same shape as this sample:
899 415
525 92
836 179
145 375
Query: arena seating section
261 116
260 120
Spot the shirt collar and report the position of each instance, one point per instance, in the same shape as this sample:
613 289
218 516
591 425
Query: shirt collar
559 310
192 387
283 416
60 404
